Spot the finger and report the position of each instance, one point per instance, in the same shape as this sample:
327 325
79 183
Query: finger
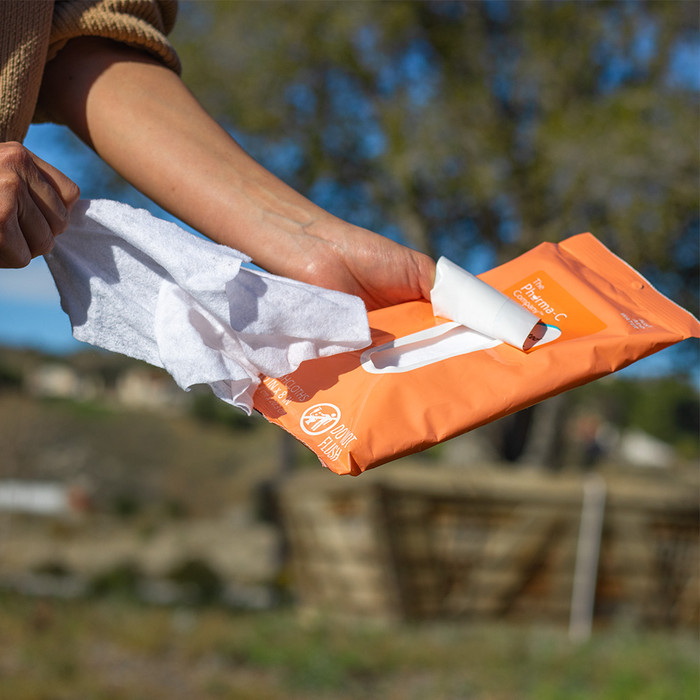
48 204
14 250
47 201
67 190
34 226
53 193
425 273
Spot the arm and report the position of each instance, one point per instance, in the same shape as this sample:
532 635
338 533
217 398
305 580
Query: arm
141 119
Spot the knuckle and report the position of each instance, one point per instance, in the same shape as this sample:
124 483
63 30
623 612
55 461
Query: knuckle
10 183
72 193
13 154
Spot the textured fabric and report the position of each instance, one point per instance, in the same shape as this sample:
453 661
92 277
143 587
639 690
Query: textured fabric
24 43
139 23
134 284
33 32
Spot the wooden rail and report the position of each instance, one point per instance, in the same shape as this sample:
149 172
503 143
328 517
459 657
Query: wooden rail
445 546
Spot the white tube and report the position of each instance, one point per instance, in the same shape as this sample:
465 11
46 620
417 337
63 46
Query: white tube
459 296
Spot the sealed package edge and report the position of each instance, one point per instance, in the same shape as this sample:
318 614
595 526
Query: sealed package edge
425 379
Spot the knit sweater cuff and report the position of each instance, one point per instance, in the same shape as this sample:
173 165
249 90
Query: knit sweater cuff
132 22
143 25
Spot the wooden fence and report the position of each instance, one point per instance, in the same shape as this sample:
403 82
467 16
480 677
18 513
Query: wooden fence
437 543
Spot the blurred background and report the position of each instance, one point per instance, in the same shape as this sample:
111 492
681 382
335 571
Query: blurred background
160 544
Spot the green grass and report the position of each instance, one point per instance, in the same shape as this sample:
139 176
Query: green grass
52 650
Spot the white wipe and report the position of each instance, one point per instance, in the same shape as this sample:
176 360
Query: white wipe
144 287
459 296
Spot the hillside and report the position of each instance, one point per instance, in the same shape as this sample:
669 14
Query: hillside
195 458
136 455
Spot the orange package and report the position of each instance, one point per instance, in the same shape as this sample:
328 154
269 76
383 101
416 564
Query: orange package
425 379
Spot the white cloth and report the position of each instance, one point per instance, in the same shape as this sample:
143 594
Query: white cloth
141 286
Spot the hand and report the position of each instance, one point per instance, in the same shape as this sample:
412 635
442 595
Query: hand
35 204
350 259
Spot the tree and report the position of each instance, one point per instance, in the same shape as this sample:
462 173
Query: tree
471 129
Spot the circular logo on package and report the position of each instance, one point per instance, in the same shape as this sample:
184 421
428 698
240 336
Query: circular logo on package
319 418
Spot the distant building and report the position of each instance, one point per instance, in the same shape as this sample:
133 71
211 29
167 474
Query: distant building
53 380
643 450
142 387
42 498
132 387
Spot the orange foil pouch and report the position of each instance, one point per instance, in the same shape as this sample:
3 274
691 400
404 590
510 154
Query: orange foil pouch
427 378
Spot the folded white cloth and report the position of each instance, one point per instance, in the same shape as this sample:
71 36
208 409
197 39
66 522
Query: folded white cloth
141 286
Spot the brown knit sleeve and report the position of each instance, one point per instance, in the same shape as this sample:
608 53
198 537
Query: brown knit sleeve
139 23
24 38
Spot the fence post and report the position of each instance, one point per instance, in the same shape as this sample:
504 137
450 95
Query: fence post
587 556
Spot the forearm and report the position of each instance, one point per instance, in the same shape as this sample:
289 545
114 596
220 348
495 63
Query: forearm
142 120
